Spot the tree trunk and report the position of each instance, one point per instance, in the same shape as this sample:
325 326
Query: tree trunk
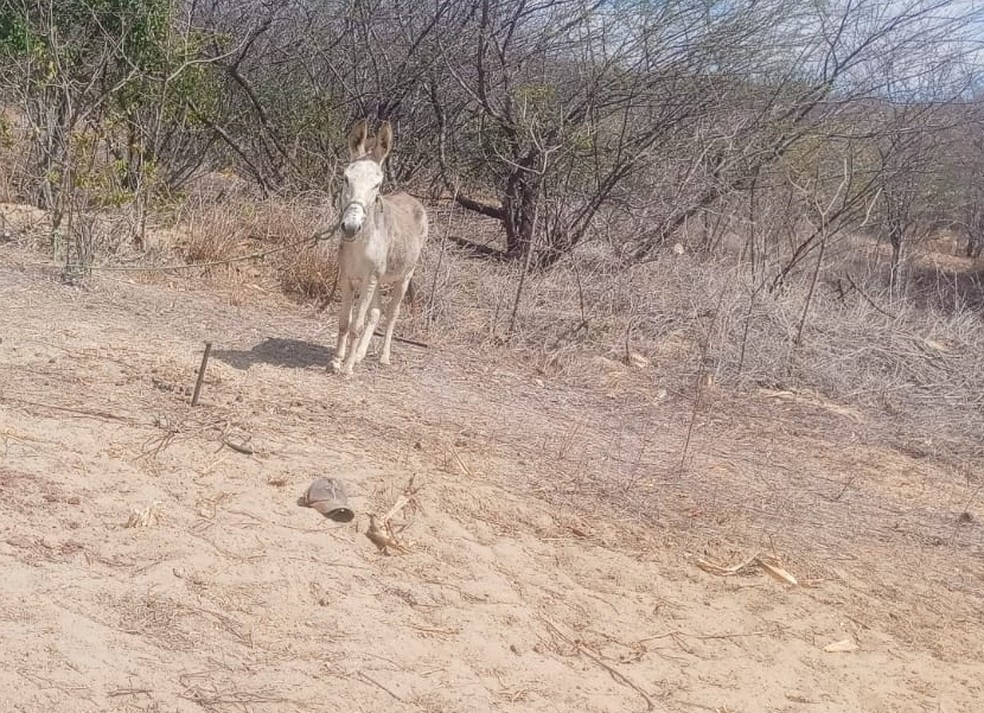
522 194
975 245
895 237
975 233
49 142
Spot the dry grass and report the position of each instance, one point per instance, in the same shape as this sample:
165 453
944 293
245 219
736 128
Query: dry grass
672 393
309 273
721 377
25 224
664 328
221 220
912 359
770 474
681 320
14 155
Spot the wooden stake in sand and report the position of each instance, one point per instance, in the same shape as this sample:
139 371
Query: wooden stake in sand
201 374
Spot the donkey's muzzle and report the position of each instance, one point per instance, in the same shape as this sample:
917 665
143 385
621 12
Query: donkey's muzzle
352 220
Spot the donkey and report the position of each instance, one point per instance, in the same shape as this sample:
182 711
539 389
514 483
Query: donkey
382 237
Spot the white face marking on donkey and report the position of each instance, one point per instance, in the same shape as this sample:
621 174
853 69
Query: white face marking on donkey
382 237
362 181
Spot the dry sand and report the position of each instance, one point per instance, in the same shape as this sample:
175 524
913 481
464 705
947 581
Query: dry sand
524 587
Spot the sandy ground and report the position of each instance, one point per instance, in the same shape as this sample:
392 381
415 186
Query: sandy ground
524 588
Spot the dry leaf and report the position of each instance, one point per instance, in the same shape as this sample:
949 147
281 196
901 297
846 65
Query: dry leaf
842 646
720 571
145 518
770 564
773 568
935 346
383 537
637 360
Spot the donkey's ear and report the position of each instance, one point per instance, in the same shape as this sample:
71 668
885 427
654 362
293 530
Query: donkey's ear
357 139
384 142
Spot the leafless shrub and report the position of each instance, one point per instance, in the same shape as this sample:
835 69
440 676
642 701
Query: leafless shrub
14 155
212 234
228 225
689 314
311 272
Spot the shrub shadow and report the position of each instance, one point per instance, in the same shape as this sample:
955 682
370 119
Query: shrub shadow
950 291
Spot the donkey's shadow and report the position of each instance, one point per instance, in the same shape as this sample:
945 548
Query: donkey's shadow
277 352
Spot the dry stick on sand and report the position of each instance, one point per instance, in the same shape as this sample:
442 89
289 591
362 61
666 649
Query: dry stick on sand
461 464
613 672
404 340
128 692
771 565
383 537
201 374
101 415
369 679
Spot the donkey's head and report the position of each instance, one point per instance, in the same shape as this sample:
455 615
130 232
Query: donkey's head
363 176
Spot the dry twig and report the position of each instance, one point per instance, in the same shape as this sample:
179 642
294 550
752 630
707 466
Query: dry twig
383 537
767 563
613 672
380 530
369 679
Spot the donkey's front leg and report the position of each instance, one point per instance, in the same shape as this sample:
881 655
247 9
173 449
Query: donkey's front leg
344 324
370 329
357 330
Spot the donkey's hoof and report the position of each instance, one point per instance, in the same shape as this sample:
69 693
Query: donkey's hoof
384 360
335 366
345 367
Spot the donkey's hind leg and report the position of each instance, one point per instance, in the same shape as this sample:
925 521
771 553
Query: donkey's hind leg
392 312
